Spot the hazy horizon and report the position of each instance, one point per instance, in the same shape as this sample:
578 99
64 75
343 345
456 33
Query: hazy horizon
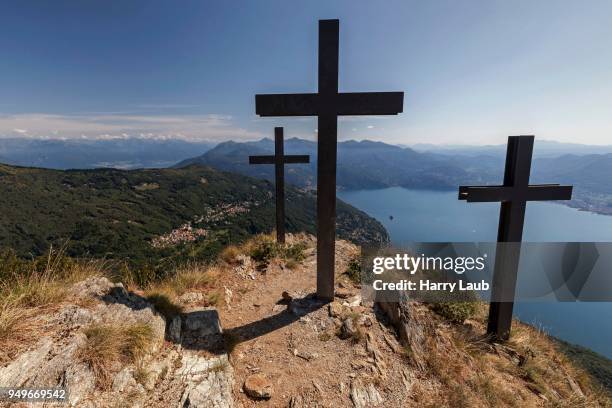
472 72
308 138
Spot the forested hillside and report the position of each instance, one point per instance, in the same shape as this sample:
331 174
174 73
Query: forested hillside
150 216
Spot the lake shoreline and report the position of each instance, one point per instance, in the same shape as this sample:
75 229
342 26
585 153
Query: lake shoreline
438 216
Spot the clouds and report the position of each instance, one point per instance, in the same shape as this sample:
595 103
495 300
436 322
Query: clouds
214 127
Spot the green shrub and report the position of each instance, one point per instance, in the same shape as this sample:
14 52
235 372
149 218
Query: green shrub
263 249
353 270
456 312
295 252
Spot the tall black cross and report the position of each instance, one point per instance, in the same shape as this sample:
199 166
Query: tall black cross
513 194
279 160
327 104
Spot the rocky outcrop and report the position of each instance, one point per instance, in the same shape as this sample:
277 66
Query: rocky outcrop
209 378
175 373
409 325
365 395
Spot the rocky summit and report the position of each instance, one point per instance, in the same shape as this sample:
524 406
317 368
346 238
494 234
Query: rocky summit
247 331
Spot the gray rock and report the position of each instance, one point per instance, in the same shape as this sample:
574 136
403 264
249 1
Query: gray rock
209 381
174 329
353 301
409 325
19 372
348 328
124 380
364 395
203 322
191 297
80 381
200 381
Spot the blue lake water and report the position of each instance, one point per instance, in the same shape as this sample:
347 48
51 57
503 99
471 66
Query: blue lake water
435 216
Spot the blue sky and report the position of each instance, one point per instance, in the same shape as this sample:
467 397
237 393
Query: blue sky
472 71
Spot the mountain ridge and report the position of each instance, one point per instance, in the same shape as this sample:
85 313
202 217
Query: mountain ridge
373 165
157 215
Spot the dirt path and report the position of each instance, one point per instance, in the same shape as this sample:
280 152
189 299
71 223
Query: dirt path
294 344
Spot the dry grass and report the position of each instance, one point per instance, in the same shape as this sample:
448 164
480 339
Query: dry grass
201 278
193 277
464 369
45 281
107 346
218 366
18 329
230 254
29 288
141 375
213 298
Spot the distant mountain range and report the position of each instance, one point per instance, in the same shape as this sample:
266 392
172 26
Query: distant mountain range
127 153
361 165
542 148
367 164
152 216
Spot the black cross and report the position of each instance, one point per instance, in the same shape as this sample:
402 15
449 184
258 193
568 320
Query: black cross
513 195
327 104
279 160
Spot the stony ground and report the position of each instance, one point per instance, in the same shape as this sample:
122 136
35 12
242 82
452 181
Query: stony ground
292 341
269 343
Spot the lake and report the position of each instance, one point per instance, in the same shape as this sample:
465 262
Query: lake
438 216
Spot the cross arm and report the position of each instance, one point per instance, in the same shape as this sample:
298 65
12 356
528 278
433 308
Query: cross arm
286 104
295 158
537 192
485 193
370 103
261 159
544 192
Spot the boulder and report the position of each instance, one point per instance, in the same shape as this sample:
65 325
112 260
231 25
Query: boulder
258 387
348 329
208 381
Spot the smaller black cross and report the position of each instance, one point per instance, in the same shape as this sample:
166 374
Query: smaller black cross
513 195
279 160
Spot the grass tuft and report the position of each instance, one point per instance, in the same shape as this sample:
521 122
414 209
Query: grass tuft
456 312
230 254
107 345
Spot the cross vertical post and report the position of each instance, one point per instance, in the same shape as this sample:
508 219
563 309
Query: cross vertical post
279 160
327 104
513 195
326 158
279 173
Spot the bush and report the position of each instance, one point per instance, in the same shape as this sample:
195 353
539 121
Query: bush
456 312
353 270
295 252
263 248
230 254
